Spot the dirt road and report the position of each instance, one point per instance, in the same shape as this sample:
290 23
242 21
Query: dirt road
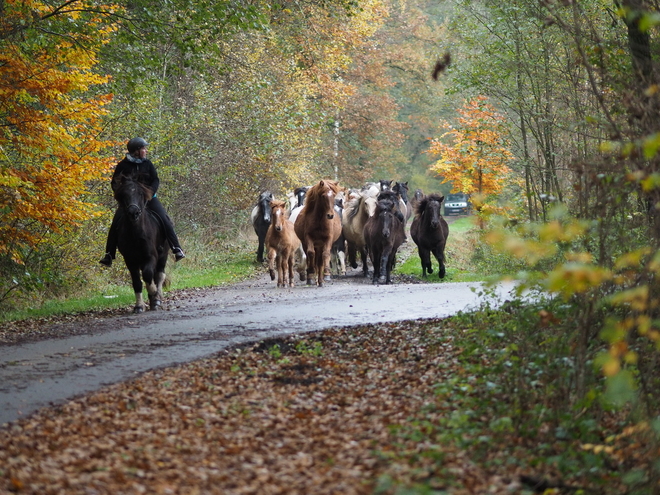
108 350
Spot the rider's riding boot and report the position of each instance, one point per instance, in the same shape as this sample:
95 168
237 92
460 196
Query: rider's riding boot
106 260
178 253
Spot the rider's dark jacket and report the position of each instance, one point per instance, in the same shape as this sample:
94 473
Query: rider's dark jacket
144 170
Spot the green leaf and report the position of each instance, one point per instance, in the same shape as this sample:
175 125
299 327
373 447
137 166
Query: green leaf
621 389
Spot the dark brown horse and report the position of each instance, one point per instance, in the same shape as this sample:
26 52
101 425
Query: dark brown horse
429 231
318 226
383 235
281 246
141 240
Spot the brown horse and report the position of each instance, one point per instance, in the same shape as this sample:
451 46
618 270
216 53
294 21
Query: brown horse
281 245
318 227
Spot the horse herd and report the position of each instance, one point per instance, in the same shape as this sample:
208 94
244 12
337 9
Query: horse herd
324 225
303 233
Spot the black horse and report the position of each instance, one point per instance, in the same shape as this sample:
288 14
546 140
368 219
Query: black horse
261 220
429 231
339 246
141 240
401 188
383 235
300 193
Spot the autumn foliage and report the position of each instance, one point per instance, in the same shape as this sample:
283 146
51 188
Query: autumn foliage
51 119
476 161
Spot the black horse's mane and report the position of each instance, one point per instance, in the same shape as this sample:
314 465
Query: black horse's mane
121 180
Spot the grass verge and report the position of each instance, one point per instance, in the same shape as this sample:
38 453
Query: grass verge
458 253
220 264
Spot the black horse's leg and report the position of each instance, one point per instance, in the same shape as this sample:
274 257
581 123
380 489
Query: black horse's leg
375 261
425 256
384 267
365 264
159 277
388 269
260 250
439 254
351 251
149 277
137 288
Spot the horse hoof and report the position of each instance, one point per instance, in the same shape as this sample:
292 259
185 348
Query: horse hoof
138 309
327 278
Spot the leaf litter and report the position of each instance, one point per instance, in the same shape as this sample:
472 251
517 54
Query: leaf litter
343 411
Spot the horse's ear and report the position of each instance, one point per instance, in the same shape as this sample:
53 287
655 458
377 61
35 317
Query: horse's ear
442 198
116 182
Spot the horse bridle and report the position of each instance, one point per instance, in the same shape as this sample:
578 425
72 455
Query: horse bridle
139 208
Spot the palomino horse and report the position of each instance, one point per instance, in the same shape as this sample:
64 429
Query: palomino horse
260 218
281 245
141 240
383 235
318 226
356 213
429 231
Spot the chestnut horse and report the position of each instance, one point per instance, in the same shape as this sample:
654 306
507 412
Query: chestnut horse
429 231
318 227
281 245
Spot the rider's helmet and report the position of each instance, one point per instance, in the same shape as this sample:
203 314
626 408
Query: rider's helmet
136 144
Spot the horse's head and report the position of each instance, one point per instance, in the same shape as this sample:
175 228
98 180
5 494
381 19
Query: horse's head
430 207
369 204
264 205
402 189
323 196
385 212
300 193
385 185
278 214
131 195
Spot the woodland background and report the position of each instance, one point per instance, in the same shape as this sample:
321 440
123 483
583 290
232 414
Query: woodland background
547 111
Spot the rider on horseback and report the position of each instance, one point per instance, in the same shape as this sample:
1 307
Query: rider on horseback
135 163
